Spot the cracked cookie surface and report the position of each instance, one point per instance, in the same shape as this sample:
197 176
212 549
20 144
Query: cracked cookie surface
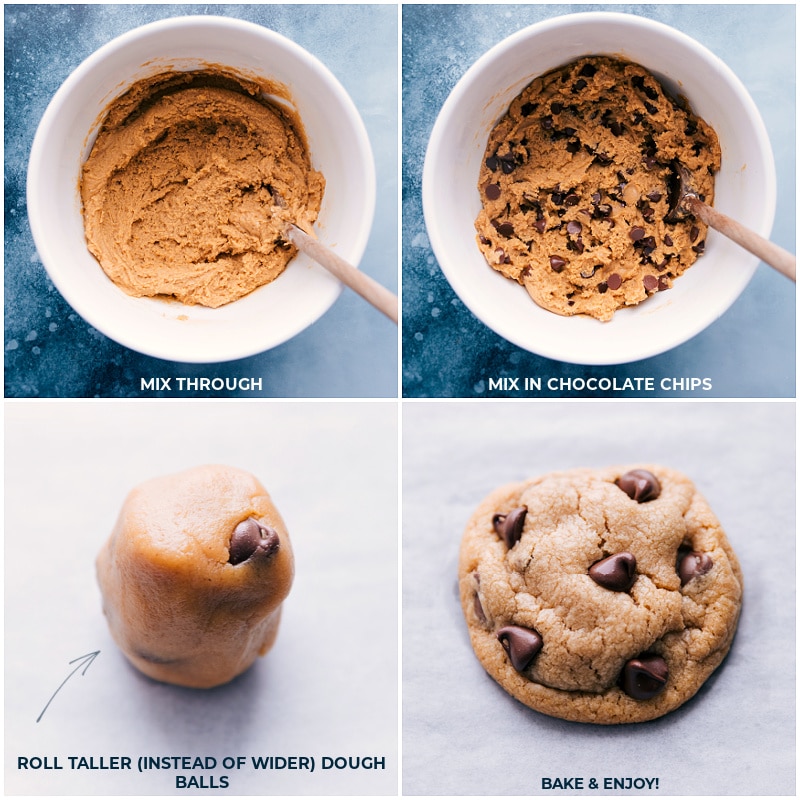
605 596
575 188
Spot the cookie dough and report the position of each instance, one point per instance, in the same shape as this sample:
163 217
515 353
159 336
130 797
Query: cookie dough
190 184
575 188
604 596
194 574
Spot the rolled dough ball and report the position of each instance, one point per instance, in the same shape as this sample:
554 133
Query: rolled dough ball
194 574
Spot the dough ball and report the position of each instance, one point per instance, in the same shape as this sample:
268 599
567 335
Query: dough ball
194 574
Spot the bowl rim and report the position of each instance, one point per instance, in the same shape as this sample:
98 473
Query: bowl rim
437 144
181 350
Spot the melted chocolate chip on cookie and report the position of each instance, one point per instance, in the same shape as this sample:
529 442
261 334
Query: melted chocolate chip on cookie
509 526
640 485
644 677
617 572
521 644
692 564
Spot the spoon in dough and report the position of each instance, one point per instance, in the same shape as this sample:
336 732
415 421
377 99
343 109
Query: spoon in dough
684 201
362 284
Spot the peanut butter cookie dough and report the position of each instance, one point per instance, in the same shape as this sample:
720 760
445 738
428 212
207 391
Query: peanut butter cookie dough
189 186
194 575
603 596
575 188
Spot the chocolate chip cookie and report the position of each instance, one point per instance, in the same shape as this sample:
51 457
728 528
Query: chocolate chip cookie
602 596
575 187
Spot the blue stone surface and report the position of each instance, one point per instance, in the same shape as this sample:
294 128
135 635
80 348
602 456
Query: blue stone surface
447 352
51 352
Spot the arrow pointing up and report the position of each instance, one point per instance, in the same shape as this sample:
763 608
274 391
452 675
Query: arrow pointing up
83 662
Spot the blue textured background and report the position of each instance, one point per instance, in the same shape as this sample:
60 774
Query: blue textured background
447 352
51 352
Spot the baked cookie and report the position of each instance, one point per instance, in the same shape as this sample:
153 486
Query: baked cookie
194 574
575 187
603 596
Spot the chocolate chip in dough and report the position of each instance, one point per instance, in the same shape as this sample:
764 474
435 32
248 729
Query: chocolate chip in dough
509 526
251 537
557 263
492 191
640 485
644 677
521 644
617 572
692 564
636 233
650 283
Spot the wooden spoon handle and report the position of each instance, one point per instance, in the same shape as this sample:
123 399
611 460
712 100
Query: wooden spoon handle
767 251
369 289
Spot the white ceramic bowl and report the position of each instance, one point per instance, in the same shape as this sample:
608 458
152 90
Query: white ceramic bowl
745 187
268 316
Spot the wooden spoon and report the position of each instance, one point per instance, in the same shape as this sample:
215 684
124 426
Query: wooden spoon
369 289
685 201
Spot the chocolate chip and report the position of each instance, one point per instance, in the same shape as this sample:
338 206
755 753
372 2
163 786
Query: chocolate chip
644 677
573 147
527 109
654 196
647 243
573 226
650 108
540 225
578 86
571 199
667 240
505 229
692 564
602 287
649 162
596 198
650 283
616 128
492 191
556 108
479 612
636 233
547 123
251 537
617 572
557 263
699 248
694 232
640 485
588 70
509 526
493 163
507 164
521 644
614 281
603 210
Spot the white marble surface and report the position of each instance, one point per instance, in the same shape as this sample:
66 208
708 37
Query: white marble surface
463 735
328 687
